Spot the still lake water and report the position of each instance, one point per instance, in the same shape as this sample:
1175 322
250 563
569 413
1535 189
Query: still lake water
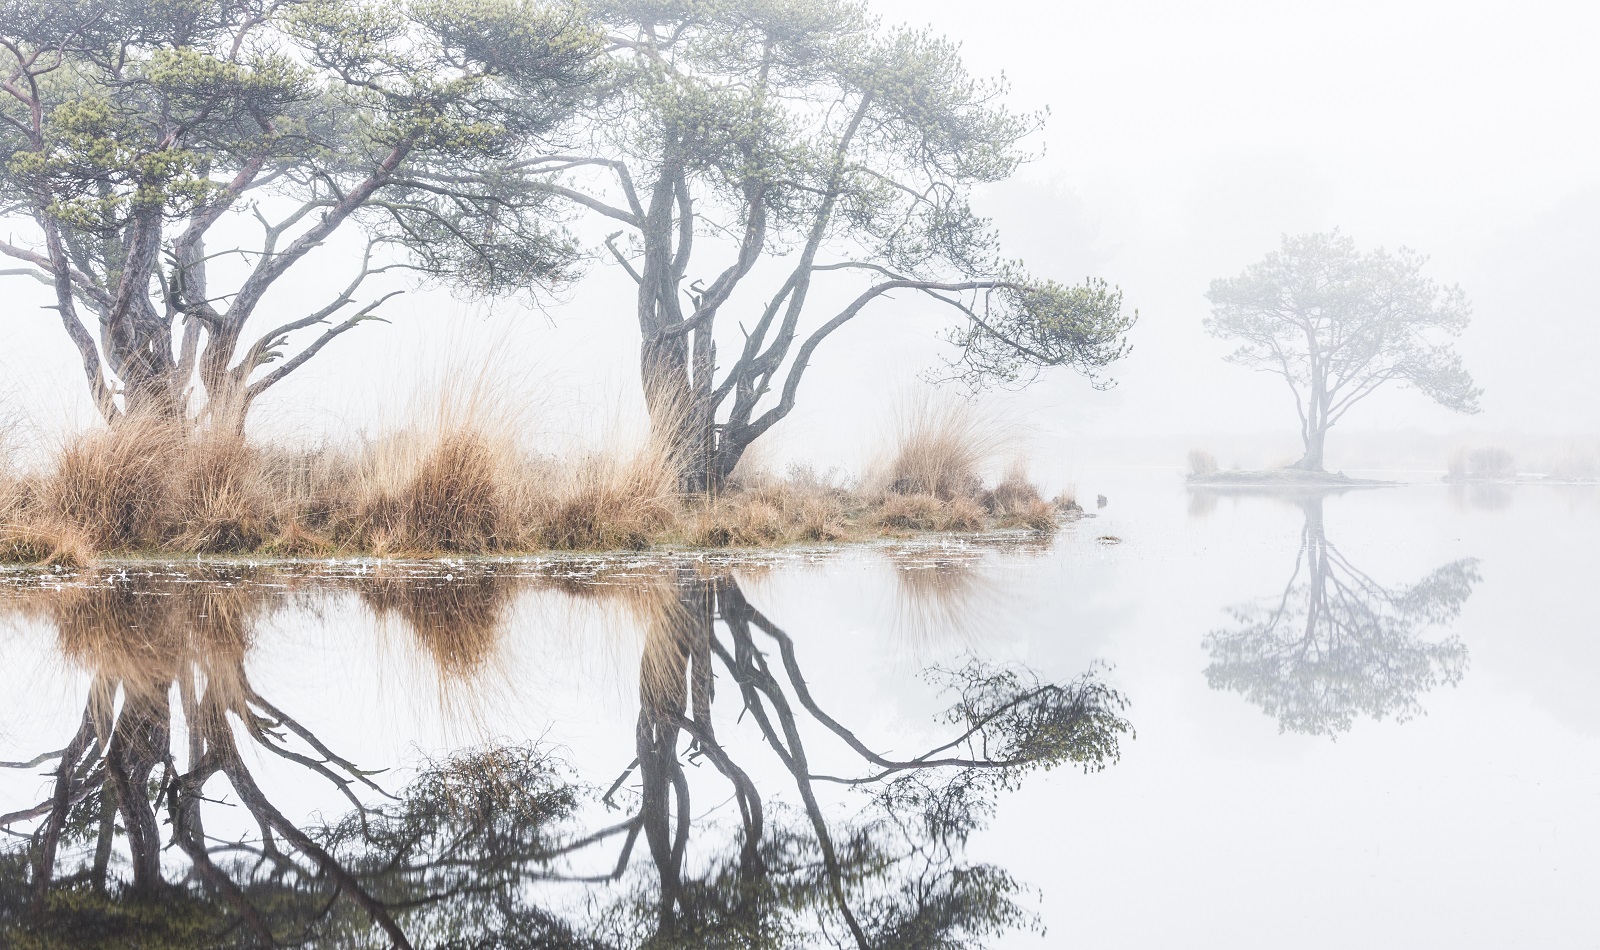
1367 718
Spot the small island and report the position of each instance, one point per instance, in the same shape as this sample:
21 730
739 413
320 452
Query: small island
1285 478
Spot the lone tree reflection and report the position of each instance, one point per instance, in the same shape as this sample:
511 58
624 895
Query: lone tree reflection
1336 644
152 830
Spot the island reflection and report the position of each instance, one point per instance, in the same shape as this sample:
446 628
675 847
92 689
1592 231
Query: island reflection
1335 644
503 845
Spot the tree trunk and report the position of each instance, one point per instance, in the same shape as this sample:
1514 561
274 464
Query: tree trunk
730 449
682 415
138 743
1311 461
664 791
673 416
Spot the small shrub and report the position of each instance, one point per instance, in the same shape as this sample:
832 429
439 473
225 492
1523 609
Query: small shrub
1482 464
1202 462
1067 499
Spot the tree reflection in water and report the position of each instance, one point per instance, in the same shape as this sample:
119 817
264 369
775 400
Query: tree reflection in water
1336 644
116 852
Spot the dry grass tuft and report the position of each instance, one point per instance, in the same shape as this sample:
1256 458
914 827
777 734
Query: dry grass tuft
605 502
455 500
762 509
49 545
926 512
941 448
296 540
1016 503
112 483
419 492
220 501
146 484
933 480
737 521
1066 500
460 482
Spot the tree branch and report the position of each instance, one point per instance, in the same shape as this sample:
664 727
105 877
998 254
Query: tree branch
261 385
83 282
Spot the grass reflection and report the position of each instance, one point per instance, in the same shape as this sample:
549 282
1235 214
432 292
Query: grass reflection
121 848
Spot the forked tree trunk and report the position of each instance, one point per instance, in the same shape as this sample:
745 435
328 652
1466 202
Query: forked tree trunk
683 416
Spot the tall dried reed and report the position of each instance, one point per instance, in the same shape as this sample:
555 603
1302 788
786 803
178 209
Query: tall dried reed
940 447
464 476
114 483
602 501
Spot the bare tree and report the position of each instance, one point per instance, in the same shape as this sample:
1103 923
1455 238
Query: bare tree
1338 324
130 129
778 158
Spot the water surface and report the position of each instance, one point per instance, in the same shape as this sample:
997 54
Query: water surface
1198 719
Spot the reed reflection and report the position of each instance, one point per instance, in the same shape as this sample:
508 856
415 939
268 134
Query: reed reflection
134 838
1335 644
457 617
947 593
1481 496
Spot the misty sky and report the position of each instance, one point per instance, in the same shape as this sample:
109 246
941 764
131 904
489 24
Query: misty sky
1184 138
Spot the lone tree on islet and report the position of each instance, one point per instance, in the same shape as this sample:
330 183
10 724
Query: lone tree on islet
1338 324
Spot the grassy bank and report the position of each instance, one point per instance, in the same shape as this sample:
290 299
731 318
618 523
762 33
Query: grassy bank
145 487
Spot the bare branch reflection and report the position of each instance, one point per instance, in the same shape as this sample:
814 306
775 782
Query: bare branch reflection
136 837
1006 723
